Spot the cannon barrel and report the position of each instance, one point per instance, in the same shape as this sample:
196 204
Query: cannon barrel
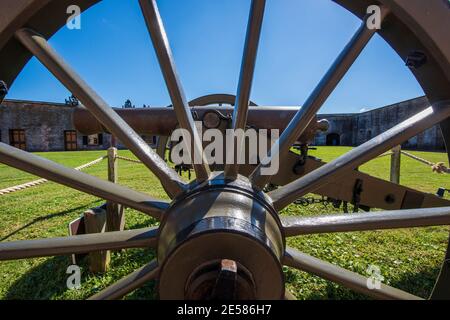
162 121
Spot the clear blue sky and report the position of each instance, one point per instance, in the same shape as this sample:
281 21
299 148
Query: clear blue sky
300 40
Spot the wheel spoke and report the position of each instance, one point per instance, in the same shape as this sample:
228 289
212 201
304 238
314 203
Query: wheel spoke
360 155
140 238
129 283
186 121
294 226
348 279
306 114
39 46
81 181
245 80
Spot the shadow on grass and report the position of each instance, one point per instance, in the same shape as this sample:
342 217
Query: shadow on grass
47 217
42 282
48 280
420 284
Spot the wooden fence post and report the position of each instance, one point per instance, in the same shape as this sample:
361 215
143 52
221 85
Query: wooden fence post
395 164
115 217
95 222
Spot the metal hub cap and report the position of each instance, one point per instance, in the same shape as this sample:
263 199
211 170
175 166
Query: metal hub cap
213 242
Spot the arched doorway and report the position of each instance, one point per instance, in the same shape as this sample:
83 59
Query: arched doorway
333 139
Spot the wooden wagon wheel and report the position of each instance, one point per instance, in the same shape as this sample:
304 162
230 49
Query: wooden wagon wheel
233 228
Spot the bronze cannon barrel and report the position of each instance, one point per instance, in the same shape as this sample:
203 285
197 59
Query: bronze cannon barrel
162 121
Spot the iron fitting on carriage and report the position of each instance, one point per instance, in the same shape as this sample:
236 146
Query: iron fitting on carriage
223 240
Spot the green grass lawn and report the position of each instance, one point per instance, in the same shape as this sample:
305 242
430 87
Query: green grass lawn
409 259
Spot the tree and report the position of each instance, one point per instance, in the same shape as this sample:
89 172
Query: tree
128 105
72 101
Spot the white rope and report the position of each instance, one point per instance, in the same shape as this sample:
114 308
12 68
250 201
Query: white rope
41 181
436 167
22 186
128 159
418 159
90 164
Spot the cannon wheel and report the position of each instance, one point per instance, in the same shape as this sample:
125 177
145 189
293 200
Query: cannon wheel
233 227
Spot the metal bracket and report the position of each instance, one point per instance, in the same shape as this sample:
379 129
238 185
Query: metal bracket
416 59
195 115
299 166
225 285
356 198
441 192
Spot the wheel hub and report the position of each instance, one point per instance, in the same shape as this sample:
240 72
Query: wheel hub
223 240
221 280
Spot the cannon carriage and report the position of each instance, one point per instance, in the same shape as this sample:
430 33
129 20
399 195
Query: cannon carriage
221 235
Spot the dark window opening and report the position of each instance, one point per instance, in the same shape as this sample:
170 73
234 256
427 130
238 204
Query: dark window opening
17 138
333 139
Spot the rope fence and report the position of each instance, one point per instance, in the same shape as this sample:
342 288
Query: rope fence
436 167
42 181
129 159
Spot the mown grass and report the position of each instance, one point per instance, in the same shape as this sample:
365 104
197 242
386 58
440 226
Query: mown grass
409 259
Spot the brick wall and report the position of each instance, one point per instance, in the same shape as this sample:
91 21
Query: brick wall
44 125
355 129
